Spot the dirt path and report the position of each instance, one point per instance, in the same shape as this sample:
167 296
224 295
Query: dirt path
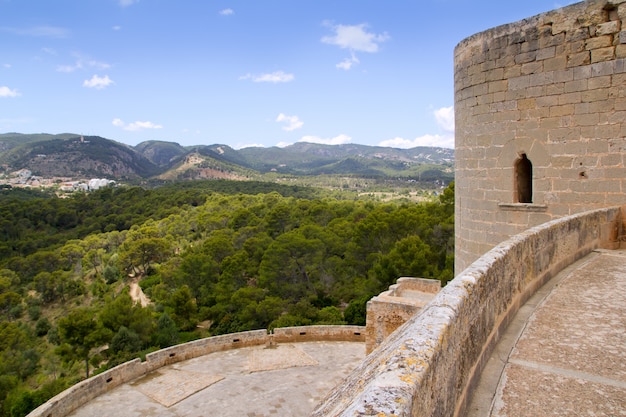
136 293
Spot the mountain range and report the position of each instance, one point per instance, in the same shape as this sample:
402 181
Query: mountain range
75 156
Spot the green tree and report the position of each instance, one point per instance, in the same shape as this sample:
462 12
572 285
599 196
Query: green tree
290 264
10 304
80 332
167 332
138 255
123 312
410 257
330 315
17 350
184 308
125 342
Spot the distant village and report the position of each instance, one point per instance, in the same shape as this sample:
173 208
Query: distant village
25 178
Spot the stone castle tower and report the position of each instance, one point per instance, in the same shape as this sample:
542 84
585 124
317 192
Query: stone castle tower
540 122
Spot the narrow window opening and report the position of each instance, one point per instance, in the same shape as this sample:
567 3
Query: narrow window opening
523 179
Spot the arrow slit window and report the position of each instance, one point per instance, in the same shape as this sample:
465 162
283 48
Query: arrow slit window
523 180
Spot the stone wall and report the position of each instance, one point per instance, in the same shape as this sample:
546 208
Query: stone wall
392 308
428 366
552 87
83 392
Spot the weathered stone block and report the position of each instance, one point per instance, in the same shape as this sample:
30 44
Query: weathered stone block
590 119
608 28
578 59
563 110
599 82
570 98
546 53
595 95
555 89
598 42
495 86
555 64
582 72
532 67
525 57
551 40
574 86
603 68
603 54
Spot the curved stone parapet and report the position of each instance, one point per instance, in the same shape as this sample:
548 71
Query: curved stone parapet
428 366
85 391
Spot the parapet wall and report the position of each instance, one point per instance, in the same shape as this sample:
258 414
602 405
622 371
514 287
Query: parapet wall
553 88
392 308
428 366
83 392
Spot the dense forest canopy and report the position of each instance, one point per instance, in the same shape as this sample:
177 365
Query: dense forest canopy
211 257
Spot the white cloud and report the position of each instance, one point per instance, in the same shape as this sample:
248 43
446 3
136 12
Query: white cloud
98 82
250 145
347 63
273 77
355 38
443 141
7 65
7 92
67 68
291 122
445 118
6 124
227 12
126 3
135 126
49 51
116 27
337 140
39 31
81 63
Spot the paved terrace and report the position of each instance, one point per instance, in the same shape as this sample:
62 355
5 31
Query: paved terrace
564 354
286 380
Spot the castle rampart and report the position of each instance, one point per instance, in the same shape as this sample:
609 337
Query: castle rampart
540 109
83 392
429 365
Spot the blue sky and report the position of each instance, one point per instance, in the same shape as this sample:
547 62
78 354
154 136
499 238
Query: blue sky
240 72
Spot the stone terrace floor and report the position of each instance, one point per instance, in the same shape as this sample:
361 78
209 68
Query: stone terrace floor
287 380
565 352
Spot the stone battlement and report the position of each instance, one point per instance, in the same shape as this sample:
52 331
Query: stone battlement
392 308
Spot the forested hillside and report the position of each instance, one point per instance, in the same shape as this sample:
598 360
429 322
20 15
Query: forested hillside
211 257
